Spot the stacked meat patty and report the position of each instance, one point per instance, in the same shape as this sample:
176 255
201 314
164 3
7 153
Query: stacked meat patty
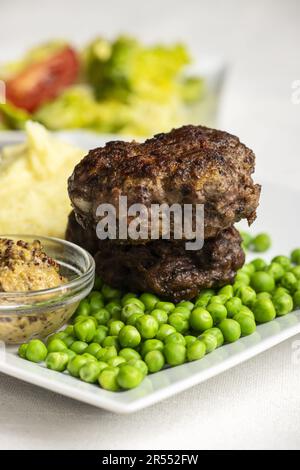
190 165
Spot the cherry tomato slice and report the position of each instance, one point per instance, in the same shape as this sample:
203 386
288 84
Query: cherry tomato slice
43 81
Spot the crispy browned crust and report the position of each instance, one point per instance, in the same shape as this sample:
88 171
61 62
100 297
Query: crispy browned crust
165 268
189 165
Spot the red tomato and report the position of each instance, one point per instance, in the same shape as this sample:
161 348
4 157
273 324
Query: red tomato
43 81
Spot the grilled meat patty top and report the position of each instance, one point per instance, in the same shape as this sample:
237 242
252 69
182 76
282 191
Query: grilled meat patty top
189 165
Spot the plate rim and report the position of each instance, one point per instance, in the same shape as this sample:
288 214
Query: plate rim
108 400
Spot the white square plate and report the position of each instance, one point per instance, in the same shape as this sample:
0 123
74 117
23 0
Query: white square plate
275 216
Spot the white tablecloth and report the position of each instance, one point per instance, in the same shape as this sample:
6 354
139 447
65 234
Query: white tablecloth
255 405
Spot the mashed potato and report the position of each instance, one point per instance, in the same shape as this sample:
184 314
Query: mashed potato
33 184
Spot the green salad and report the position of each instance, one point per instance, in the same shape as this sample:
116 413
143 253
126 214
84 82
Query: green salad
119 86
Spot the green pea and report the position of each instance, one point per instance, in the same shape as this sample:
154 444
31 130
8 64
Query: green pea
108 379
129 295
96 303
164 331
283 304
289 281
183 311
297 286
114 307
102 316
57 361
246 238
196 351
237 286
247 294
100 334
262 281
218 299
93 349
70 353
247 324
149 300
204 297
129 354
129 337
79 347
56 345
283 260
116 361
179 322
115 327
295 256
166 306
189 339
85 330
22 350
233 306
296 299
186 304
210 341
200 319
174 353
106 353
175 338
261 243
90 371
83 308
151 345
36 351
69 340
264 310
69 330
128 310
88 356
275 270
243 278
133 318
279 290
296 271
160 315
246 311
109 293
259 264
95 294
147 326
248 269
80 318
231 330
98 283
129 377
60 335
140 365
154 360
134 301
226 291
75 365
217 311
217 333
263 295
111 341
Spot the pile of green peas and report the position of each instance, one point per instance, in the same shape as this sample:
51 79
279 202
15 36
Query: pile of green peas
116 339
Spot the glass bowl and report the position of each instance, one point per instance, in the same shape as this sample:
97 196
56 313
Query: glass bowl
26 315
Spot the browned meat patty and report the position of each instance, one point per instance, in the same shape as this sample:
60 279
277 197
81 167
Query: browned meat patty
165 268
190 165
87 239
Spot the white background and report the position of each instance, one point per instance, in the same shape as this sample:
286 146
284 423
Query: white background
256 405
